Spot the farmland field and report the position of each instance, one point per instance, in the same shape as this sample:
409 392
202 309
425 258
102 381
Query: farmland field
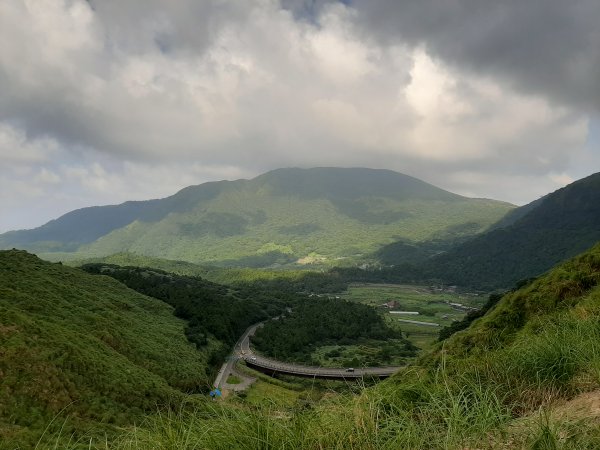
431 303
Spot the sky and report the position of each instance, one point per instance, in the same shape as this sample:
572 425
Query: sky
103 101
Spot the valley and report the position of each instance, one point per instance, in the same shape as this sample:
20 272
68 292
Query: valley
125 350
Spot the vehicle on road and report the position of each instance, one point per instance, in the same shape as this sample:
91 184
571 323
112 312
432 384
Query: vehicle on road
350 369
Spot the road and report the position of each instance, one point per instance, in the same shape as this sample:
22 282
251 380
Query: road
242 350
228 367
418 322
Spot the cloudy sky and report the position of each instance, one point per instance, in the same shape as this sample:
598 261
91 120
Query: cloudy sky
103 101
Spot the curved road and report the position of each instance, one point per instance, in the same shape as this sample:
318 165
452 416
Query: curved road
243 351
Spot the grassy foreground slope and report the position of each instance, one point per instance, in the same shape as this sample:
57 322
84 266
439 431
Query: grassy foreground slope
86 345
514 379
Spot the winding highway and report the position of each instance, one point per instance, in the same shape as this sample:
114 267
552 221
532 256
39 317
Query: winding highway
243 351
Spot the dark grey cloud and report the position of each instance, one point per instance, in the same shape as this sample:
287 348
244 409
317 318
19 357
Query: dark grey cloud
185 25
305 9
547 47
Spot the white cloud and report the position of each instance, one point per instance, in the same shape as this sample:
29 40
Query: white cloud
138 99
45 177
17 150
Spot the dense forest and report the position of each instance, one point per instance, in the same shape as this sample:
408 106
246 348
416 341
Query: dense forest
526 243
320 322
298 280
210 309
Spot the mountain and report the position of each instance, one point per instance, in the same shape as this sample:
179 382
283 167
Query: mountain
86 347
320 215
552 229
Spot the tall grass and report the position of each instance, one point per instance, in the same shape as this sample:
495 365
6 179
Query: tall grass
451 414
555 357
460 403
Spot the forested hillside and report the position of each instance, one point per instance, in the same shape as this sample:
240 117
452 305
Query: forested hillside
211 310
524 244
322 216
562 225
565 292
280 280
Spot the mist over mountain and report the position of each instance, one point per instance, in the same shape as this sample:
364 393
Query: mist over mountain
319 215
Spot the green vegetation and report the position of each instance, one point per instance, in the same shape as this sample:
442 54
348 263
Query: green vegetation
518 377
524 244
326 321
86 346
269 279
323 216
367 353
210 309
560 294
266 393
233 379
469 318
560 226
430 301
515 379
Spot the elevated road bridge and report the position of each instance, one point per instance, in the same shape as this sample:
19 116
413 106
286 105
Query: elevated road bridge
271 367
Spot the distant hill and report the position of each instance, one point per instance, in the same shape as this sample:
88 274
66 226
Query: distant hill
86 345
300 280
548 231
404 252
310 216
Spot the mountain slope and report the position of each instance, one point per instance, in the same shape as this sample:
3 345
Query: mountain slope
321 215
560 226
498 384
86 344
556 293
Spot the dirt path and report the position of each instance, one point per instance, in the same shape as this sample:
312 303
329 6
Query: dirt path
245 383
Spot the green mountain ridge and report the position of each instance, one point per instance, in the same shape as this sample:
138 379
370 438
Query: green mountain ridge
558 226
310 216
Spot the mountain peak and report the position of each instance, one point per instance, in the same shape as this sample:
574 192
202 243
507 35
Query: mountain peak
353 182
323 214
